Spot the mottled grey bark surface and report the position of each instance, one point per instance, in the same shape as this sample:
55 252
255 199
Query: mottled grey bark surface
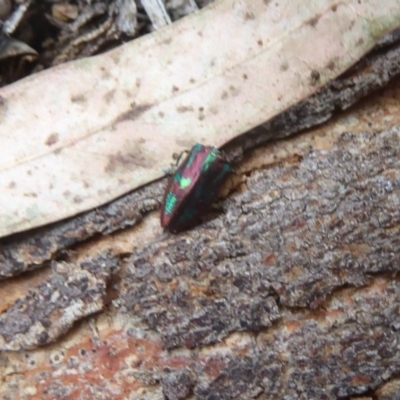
72 293
298 235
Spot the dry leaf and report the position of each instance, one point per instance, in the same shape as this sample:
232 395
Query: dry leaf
81 134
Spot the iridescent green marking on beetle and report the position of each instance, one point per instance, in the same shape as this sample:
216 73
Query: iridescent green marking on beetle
193 155
209 161
177 177
184 183
170 203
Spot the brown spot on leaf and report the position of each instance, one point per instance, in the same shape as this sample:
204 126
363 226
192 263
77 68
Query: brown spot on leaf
167 41
266 2
249 16
360 42
313 21
260 42
334 8
161 114
234 90
104 73
175 89
245 76
314 77
214 110
284 66
126 160
52 139
115 57
133 113
331 65
224 95
183 109
191 80
79 98
109 96
77 199
12 185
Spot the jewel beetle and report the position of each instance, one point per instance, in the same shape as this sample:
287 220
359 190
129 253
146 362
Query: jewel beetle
194 187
